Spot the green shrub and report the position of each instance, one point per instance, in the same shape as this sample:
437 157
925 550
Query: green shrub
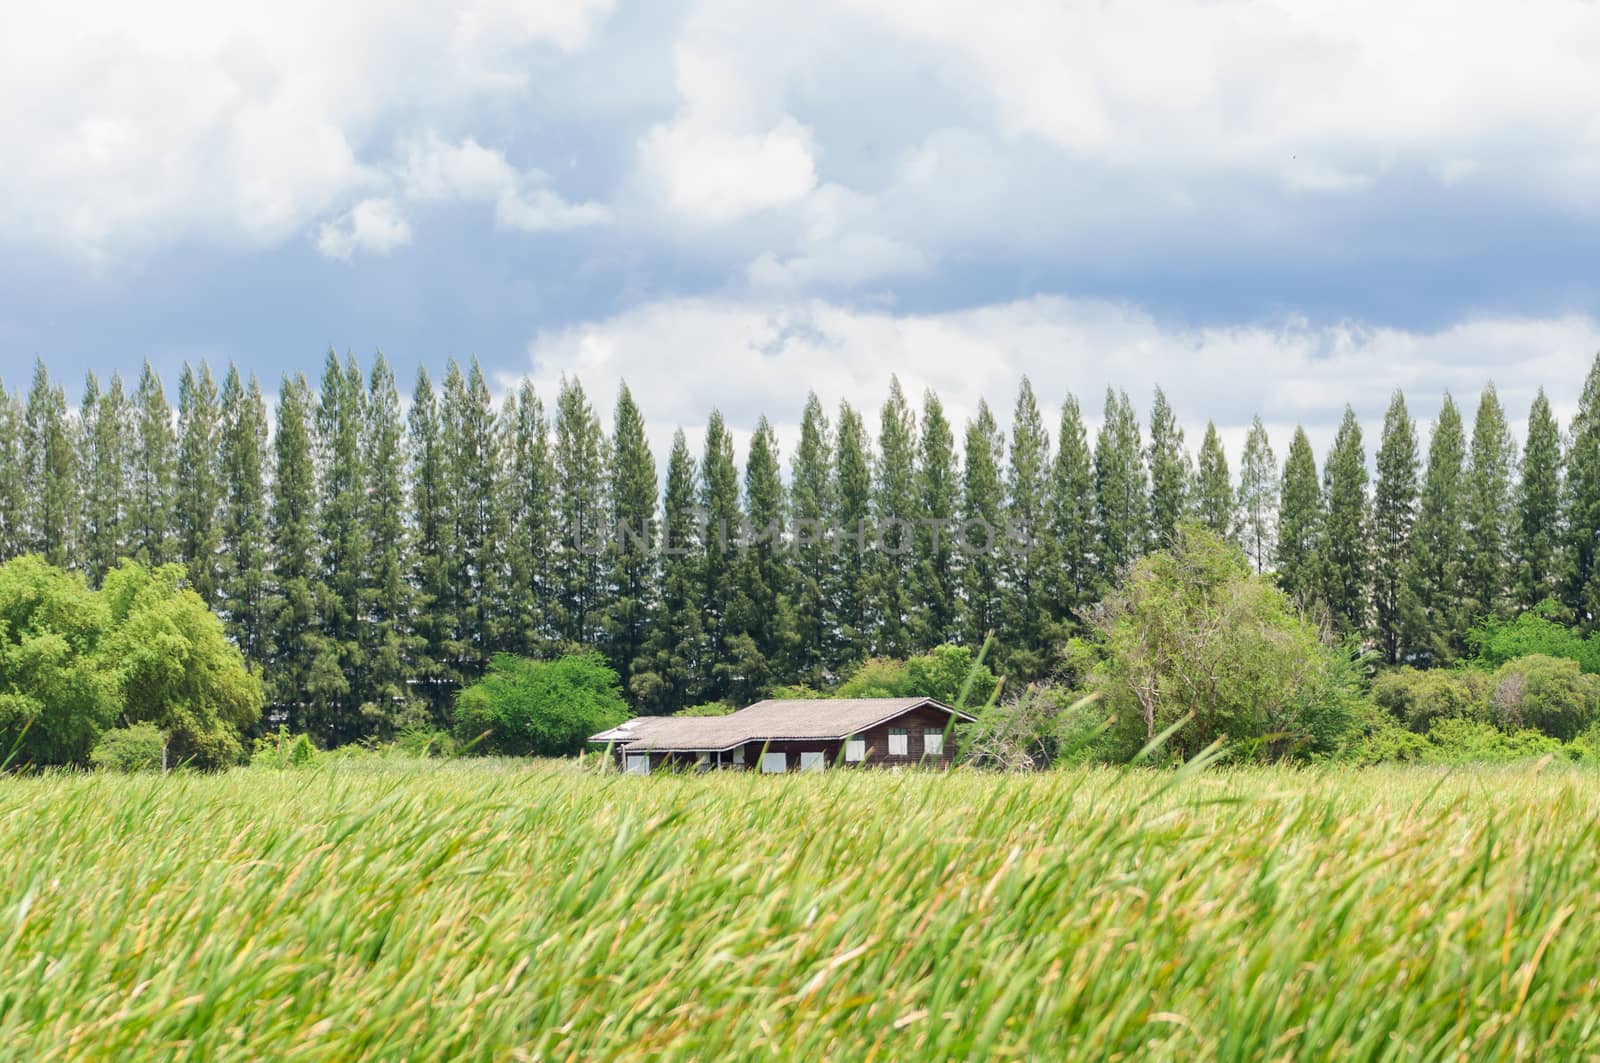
539 708
1456 741
426 742
707 708
1419 697
1536 632
940 673
1548 694
140 747
1379 738
284 750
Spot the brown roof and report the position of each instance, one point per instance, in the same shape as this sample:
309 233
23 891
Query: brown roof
765 721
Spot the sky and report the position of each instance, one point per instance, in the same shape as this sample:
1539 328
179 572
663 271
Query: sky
1263 207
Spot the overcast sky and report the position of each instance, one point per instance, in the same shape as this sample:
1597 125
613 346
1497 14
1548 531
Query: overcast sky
1273 207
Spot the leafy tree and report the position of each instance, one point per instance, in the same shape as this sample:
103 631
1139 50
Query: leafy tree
852 528
1299 525
1258 497
1121 502
1169 472
530 506
141 747
1025 622
1344 549
1071 519
895 518
1495 640
580 467
940 673
539 708
198 491
1394 513
1536 534
13 479
106 434
982 525
56 696
1213 487
152 473
935 580
176 667
1546 694
719 499
1434 623
1581 505
243 568
51 471
1487 504
633 519
672 675
1192 639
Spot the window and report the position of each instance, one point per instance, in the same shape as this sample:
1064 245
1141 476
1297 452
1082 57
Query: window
899 743
774 763
855 750
738 755
638 764
811 762
933 743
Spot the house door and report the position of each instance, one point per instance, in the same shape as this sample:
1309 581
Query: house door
811 762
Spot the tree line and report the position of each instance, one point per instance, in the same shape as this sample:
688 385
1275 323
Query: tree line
370 556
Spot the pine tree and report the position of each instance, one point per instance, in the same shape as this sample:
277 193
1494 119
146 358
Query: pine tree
719 499
852 527
811 505
51 471
1169 472
761 608
299 675
1488 509
473 473
673 676
1121 499
936 576
1344 551
1581 505
982 526
432 522
580 464
1536 545
198 495
243 569
1213 486
1072 517
387 645
106 431
1434 623
1394 512
13 478
1299 521
342 550
895 516
531 524
629 546
1258 497
1025 546
150 540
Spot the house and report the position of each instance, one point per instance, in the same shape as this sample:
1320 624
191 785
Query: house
778 736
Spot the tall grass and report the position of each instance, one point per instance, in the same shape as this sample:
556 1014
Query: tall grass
494 910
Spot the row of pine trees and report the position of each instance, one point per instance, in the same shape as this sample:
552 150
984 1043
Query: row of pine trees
369 556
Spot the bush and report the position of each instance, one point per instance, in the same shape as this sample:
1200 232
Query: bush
426 742
1418 698
940 673
1456 741
284 750
707 708
140 747
1192 635
1038 728
1379 738
1536 632
1548 694
539 708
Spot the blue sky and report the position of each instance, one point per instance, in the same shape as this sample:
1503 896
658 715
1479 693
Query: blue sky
1261 206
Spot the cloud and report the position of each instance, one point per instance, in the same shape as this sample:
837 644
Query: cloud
471 173
750 358
374 226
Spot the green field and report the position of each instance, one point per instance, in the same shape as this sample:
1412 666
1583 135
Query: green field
524 910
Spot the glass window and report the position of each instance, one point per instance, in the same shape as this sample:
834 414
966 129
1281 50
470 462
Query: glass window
638 764
855 750
899 743
738 755
774 763
933 743
811 762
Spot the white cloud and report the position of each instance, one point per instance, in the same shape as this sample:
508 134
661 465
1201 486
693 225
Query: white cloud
681 357
374 226
469 172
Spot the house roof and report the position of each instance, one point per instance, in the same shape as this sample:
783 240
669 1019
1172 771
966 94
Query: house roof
765 721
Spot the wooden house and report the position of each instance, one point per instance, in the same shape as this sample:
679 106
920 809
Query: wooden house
778 736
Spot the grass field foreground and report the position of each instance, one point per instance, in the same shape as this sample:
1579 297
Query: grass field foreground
504 910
